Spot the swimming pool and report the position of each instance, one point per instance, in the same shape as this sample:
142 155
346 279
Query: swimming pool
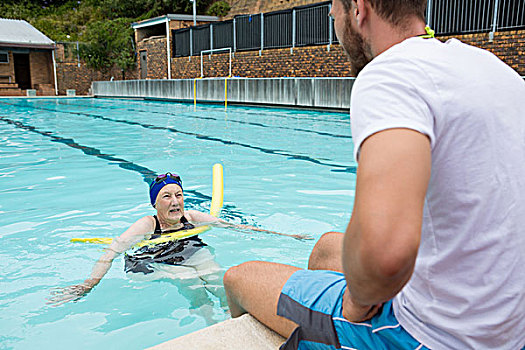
77 168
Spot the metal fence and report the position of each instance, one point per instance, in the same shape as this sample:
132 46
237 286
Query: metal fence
471 16
278 29
248 32
300 26
68 51
311 25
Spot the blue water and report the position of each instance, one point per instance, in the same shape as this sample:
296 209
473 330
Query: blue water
78 168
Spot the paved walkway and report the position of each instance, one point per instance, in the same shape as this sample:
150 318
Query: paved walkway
240 333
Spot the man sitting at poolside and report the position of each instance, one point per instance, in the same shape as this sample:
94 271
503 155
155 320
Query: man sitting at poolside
434 254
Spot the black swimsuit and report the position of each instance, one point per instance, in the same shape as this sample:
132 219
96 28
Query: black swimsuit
171 253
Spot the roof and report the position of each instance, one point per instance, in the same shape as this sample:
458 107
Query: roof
163 19
18 33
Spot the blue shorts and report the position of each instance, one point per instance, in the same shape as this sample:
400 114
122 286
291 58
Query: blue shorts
313 300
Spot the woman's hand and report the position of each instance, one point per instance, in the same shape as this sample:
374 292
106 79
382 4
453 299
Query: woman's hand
61 296
253 228
355 312
301 237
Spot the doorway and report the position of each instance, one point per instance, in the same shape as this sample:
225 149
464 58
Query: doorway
22 70
143 64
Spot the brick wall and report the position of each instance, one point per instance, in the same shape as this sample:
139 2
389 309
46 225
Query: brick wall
313 61
41 65
8 69
70 76
317 61
157 58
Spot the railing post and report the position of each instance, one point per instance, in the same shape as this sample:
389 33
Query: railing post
191 43
262 34
429 13
78 55
168 46
234 35
495 21
330 27
293 31
211 38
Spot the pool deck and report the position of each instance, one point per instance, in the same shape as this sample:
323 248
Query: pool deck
240 333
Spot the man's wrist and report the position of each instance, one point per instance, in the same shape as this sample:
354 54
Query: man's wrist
355 301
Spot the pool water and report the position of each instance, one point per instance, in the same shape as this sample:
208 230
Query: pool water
78 168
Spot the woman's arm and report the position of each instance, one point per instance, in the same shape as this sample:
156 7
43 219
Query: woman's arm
207 219
128 239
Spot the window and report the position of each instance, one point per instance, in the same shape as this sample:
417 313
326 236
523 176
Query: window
4 57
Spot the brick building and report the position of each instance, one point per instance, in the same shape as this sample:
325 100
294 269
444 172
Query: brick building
153 37
26 59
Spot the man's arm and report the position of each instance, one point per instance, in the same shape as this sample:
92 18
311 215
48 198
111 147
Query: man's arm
382 239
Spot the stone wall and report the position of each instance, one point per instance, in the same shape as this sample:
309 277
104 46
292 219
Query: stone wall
157 61
71 76
8 69
73 73
312 61
42 75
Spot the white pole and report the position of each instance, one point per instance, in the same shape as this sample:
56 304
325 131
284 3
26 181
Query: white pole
495 21
191 44
262 33
234 35
429 13
330 27
55 71
194 12
168 46
293 31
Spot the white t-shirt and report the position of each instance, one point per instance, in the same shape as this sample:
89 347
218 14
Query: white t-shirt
468 287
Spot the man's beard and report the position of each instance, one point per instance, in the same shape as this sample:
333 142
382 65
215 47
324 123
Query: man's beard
356 48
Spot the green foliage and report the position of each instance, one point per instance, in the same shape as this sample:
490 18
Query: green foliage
102 26
219 8
20 10
110 43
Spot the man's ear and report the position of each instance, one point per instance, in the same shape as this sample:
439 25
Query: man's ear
361 11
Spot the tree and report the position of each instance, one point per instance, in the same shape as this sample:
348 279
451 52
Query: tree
110 43
219 8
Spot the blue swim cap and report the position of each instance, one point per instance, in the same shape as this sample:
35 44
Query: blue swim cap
159 182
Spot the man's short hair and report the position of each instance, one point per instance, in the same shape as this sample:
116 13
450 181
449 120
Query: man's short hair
395 11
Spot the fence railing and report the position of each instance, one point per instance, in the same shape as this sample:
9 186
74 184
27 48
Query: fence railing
471 16
311 25
300 26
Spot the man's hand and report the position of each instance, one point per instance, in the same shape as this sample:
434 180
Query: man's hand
354 312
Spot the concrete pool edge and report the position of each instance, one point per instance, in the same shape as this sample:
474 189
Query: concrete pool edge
240 333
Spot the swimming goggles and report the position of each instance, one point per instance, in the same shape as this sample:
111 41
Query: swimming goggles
163 177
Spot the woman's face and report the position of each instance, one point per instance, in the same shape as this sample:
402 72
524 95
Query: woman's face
170 204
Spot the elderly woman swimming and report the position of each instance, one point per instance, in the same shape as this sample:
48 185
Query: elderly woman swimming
189 261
